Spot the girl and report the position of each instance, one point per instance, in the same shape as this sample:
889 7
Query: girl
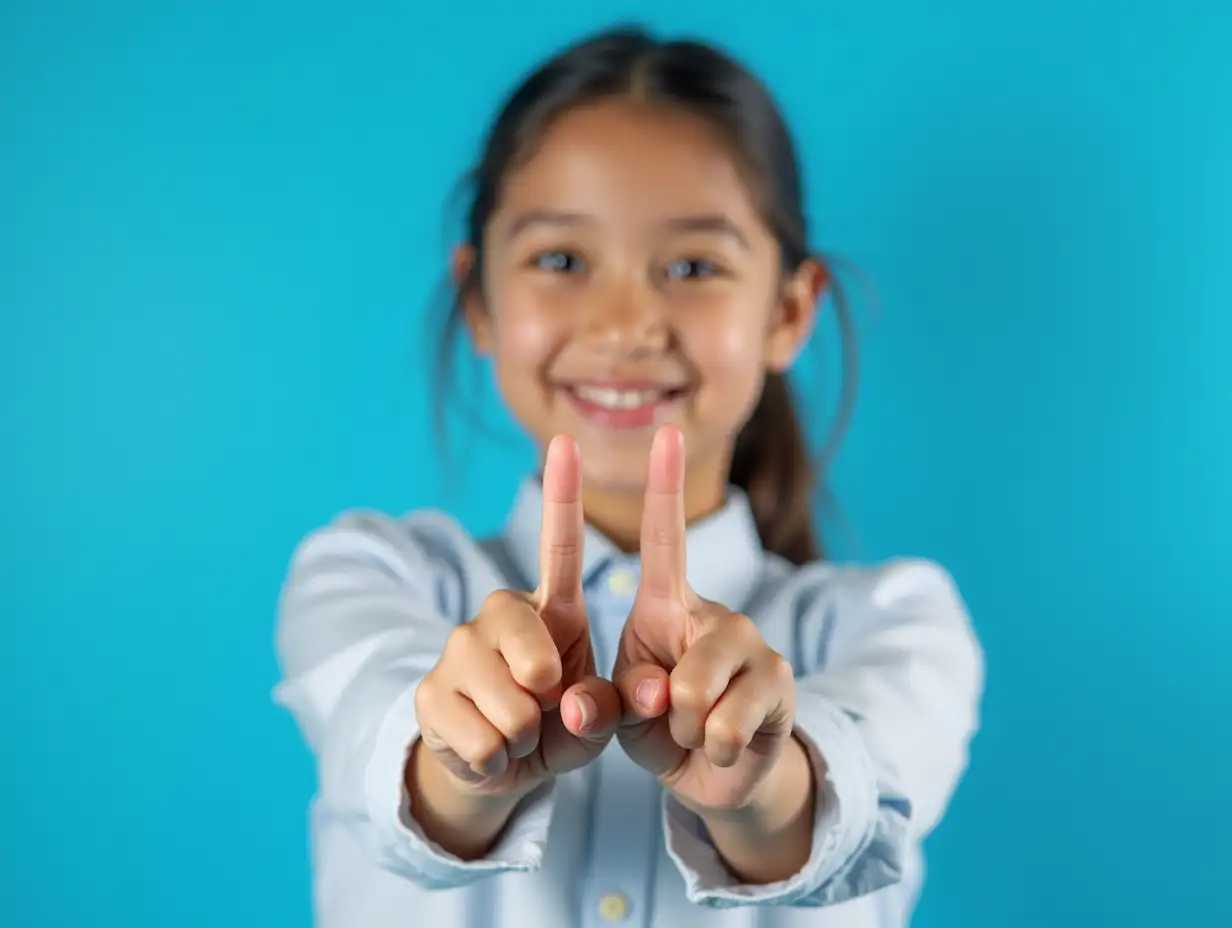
648 701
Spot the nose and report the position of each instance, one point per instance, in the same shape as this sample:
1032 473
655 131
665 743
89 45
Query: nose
626 318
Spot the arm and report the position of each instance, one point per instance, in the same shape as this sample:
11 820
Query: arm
772 838
364 615
466 824
885 716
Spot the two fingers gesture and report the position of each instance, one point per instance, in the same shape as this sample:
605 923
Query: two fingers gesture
486 710
708 705
700 700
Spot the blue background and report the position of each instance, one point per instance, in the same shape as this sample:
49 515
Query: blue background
219 228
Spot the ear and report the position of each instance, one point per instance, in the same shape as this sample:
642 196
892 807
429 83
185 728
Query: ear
795 314
475 314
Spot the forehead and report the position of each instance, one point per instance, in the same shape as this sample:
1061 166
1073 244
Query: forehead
633 161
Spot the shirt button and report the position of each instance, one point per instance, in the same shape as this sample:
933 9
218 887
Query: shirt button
622 583
613 907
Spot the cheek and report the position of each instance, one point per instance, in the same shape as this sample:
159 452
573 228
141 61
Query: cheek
729 351
523 336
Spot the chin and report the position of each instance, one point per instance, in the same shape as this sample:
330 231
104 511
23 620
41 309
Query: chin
616 472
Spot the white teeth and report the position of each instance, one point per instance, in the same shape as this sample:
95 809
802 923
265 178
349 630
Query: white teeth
619 399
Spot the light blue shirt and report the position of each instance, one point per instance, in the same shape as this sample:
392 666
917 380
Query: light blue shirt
889 676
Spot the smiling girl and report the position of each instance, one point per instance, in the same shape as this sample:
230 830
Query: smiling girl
649 700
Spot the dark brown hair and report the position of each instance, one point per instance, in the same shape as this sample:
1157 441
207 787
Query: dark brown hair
771 462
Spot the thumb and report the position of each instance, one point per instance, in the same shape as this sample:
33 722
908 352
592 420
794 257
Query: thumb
644 731
591 710
643 692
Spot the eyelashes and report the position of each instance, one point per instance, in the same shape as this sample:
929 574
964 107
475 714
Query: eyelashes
558 262
563 261
692 269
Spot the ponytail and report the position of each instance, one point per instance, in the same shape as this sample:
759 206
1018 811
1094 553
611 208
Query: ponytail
771 465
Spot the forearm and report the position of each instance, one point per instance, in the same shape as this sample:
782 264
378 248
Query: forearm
771 839
464 824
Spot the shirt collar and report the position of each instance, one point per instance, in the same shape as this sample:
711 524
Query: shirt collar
724 555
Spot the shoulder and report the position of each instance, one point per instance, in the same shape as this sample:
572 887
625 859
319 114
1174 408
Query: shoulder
891 584
426 552
405 545
829 605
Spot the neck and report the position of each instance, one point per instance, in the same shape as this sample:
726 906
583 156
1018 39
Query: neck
618 513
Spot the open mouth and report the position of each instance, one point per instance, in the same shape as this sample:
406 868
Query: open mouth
625 406
612 398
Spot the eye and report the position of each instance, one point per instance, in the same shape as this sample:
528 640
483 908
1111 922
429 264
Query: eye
691 268
557 262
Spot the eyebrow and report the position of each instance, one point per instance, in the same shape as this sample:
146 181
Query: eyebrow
546 218
715 223
718 224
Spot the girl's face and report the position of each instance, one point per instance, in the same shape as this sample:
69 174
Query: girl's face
629 282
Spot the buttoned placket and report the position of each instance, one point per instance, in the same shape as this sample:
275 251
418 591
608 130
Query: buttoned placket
624 835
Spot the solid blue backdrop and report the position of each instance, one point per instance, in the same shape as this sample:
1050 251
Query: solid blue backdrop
219 228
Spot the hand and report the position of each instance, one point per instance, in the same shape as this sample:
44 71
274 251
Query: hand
708 706
485 710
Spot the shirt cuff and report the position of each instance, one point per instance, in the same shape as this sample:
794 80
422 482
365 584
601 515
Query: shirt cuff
844 821
402 842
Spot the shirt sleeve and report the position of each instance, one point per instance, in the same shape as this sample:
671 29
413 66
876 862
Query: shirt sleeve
363 617
886 714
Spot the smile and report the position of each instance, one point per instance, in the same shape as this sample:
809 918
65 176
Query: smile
611 398
624 407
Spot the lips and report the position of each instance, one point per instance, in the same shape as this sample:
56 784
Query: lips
617 398
625 405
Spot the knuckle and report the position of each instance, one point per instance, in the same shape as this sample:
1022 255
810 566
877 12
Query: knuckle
430 737
464 638
427 694
480 748
779 668
433 740
499 601
691 693
725 733
745 627
520 716
539 670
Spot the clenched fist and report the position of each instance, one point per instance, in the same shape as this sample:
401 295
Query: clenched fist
709 706
514 699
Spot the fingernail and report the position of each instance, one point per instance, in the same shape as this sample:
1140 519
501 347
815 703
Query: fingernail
587 709
646 692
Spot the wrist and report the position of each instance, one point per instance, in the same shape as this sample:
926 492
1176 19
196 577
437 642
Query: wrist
451 814
428 776
771 837
784 796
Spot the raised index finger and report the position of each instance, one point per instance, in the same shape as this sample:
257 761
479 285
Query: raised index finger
663 522
561 532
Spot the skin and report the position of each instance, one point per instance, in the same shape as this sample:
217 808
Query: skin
708 705
488 732
626 246
671 275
